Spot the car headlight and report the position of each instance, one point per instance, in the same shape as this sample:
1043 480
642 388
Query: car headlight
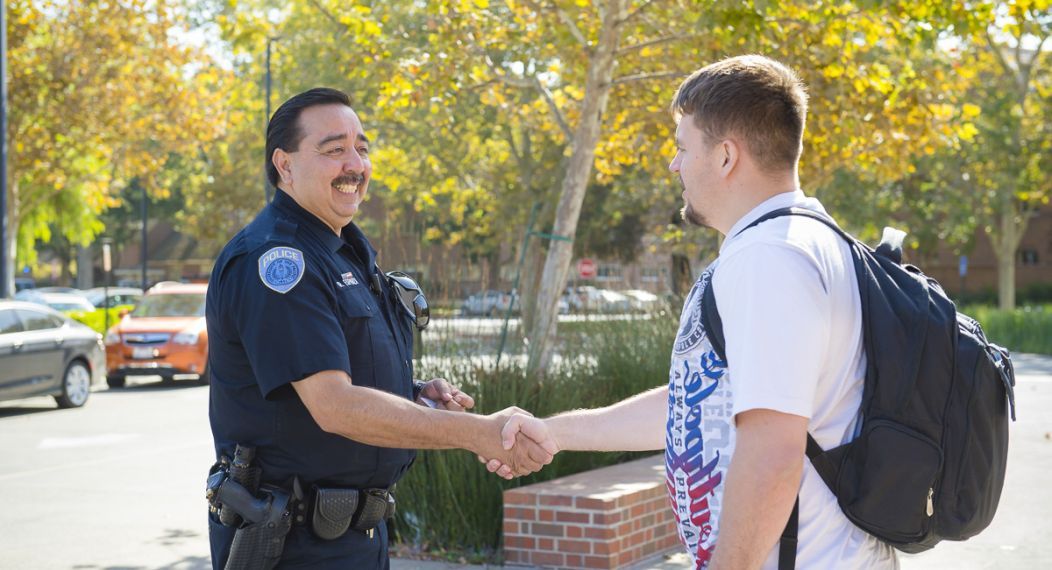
112 338
186 337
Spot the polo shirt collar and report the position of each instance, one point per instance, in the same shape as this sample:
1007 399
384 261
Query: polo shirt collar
351 235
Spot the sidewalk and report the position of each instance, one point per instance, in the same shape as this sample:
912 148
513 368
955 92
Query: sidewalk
1018 538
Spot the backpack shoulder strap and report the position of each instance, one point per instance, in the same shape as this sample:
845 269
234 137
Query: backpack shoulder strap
804 212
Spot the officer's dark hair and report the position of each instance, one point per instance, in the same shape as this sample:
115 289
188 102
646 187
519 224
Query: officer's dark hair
752 97
284 130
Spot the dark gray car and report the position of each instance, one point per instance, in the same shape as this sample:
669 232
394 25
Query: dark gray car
43 352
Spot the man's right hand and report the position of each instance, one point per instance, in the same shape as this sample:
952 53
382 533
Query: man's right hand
515 452
521 429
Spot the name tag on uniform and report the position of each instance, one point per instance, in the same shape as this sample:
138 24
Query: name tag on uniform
346 280
281 268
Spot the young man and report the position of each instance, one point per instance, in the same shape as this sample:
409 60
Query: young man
734 432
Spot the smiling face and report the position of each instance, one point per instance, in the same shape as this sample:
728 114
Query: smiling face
328 174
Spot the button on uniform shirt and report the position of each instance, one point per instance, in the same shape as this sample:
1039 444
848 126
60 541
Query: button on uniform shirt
289 298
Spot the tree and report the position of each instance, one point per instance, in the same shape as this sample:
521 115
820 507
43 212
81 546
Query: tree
100 93
1006 169
597 66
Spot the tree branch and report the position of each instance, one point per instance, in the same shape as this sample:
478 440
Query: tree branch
639 9
658 41
556 112
1000 57
564 18
647 77
532 82
328 15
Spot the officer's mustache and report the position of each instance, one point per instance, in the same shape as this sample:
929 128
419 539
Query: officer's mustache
352 179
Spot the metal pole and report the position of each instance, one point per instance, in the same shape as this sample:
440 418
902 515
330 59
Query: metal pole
107 264
266 183
5 279
144 242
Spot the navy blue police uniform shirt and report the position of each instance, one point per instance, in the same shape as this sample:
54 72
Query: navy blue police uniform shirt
289 298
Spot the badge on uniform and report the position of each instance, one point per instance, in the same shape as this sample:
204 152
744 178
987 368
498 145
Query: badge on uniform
281 268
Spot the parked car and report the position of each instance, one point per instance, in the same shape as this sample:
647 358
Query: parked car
165 334
43 352
71 290
58 301
24 283
587 298
642 301
109 297
490 303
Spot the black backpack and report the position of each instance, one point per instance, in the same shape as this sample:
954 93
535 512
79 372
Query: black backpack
929 463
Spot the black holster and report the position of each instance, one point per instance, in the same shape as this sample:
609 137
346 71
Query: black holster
258 545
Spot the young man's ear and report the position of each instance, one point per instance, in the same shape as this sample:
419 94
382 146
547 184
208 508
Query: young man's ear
730 154
283 163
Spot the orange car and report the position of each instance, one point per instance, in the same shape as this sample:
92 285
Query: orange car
165 334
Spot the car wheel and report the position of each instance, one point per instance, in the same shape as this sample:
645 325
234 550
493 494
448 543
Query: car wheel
205 377
76 386
115 381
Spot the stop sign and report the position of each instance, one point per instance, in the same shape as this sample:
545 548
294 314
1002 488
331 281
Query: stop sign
586 268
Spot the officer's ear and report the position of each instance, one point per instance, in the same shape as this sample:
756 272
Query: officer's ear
283 163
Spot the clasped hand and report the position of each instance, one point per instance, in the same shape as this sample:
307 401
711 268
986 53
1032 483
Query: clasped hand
526 444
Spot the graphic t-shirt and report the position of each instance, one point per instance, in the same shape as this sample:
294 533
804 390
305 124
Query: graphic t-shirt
789 303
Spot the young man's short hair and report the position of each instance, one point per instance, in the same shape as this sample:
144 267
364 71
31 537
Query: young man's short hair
283 130
751 97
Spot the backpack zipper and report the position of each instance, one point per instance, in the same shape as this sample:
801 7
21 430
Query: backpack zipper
931 502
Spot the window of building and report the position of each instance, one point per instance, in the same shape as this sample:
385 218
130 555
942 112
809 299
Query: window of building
608 272
653 274
1028 257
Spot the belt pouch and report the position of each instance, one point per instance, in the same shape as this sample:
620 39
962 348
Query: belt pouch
333 511
373 509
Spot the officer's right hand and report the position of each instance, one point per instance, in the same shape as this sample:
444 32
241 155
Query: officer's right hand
523 458
519 427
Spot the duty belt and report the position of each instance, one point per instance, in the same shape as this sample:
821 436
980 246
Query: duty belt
330 512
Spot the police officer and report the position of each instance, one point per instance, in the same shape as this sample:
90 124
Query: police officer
310 352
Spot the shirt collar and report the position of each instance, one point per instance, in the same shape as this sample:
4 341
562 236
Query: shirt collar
783 200
351 235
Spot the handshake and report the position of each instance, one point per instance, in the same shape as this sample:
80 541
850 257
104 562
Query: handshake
511 442
526 444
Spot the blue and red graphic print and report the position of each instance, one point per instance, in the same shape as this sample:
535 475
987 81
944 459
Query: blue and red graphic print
699 435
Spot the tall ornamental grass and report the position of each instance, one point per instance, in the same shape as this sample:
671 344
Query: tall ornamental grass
1025 329
448 501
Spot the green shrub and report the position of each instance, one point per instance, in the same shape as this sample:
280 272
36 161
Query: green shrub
1026 329
448 500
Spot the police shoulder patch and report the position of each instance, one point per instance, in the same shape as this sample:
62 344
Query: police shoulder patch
281 268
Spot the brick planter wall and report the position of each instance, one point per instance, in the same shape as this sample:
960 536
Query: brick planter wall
606 518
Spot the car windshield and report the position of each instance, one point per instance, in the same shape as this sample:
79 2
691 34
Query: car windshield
68 306
96 297
171 305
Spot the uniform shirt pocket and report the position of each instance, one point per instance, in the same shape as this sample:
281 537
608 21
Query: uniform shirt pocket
357 313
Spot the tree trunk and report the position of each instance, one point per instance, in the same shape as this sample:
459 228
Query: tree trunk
682 278
1006 280
530 282
575 183
1005 246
